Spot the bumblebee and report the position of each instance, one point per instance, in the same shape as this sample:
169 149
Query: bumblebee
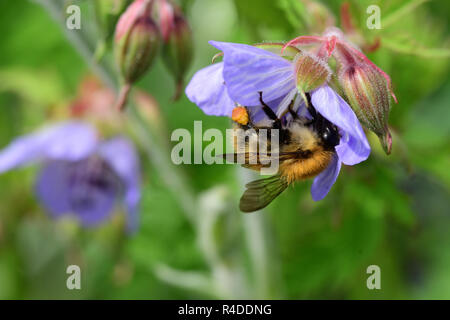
306 148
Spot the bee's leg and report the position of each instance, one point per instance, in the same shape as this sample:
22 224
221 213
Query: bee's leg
317 119
269 113
250 123
267 110
292 111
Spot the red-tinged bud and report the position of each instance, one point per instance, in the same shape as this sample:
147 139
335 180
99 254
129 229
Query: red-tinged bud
240 115
166 19
136 53
136 41
311 72
178 51
367 91
107 13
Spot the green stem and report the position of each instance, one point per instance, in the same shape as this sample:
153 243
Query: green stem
172 176
256 238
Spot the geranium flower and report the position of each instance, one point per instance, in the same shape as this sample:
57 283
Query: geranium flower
80 176
247 70
207 89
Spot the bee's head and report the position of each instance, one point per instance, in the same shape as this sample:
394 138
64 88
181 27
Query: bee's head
327 132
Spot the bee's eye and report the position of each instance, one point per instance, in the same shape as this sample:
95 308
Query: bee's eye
330 137
326 134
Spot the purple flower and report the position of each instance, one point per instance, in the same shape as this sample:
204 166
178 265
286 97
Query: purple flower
247 70
81 176
208 91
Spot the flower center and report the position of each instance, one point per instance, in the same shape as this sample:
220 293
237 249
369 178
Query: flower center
90 180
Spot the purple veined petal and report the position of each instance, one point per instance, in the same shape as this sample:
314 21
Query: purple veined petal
353 147
208 91
121 155
287 100
249 70
325 180
69 188
65 141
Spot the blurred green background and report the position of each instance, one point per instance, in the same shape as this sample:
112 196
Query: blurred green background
391 211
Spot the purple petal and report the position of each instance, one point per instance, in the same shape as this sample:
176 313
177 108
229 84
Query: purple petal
353 147
52 188
207 90
287 100
68 188
121 155
249 70
65 141
325 180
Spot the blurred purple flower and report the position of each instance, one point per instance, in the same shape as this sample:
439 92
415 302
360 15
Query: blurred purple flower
81 176
247 70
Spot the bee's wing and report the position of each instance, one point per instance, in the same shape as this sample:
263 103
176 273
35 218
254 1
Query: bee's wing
257 158
261 192
248 157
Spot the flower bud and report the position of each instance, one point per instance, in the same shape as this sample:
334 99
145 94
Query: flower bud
166 18
368 93
136 41
177 51
240 115
311 72
107 13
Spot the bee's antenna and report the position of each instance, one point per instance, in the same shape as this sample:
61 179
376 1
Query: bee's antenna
267 110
